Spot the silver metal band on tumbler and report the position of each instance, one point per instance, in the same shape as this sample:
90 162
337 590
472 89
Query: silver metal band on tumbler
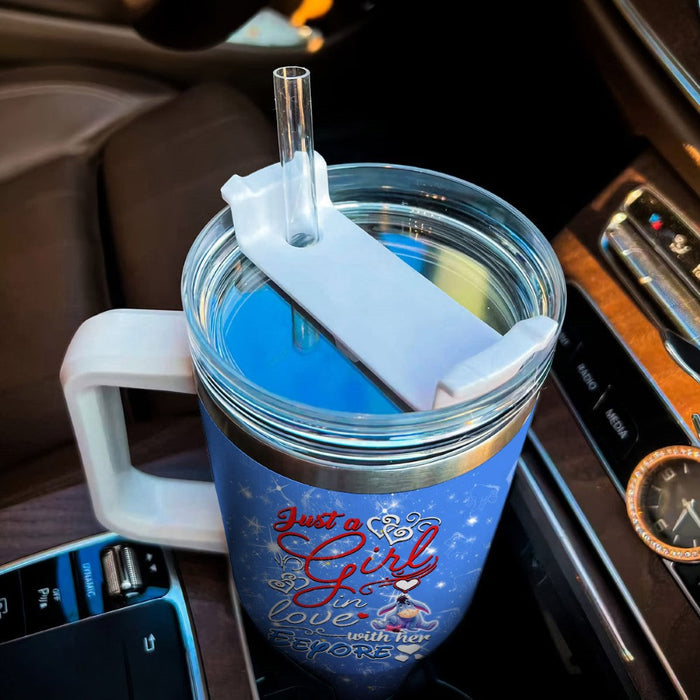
384 478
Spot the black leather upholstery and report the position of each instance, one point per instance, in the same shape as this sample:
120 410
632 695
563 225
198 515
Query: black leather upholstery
105 181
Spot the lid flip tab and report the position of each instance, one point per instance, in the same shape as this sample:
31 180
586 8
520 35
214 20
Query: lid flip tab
416 339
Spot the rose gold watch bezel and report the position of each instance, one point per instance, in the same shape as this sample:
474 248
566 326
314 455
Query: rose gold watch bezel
635 512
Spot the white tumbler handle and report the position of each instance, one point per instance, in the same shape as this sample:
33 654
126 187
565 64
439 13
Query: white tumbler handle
136 349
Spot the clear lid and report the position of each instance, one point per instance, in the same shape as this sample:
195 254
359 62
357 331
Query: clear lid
268 367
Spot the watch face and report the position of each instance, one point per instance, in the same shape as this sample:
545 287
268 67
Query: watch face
663 502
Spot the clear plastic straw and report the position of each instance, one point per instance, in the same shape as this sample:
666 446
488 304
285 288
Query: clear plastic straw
295 136
296 146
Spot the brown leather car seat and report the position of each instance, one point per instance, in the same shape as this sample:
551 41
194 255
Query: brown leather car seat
105 180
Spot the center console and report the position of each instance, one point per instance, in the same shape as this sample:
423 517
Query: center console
625 384
100 617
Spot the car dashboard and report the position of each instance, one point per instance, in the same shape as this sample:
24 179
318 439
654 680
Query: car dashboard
572 601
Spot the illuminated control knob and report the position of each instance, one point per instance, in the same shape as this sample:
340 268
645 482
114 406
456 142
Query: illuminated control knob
121 571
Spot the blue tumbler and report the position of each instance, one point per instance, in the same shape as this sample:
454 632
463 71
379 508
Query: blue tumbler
356 530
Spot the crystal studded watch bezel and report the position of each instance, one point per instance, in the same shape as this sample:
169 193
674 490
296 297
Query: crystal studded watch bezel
636 512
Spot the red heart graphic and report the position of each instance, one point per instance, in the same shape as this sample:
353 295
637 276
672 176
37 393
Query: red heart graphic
362 616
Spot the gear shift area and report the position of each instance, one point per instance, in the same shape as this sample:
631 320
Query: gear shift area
100 617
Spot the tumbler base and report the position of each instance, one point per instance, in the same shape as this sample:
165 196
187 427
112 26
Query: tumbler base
277 677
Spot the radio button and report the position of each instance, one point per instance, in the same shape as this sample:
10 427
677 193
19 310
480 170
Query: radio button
613 425
585 381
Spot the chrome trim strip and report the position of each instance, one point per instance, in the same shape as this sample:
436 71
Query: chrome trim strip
681 584
624 652
600 550
238 616
687 83
176 596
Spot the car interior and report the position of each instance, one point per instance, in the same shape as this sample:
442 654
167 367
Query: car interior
122 119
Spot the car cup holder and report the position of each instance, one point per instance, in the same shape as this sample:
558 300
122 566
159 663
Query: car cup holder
277 677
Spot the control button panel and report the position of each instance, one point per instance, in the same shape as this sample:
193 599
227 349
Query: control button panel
615 403
76 585
100 618
116 575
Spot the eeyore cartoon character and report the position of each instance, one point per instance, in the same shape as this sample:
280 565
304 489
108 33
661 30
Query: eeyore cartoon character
404 614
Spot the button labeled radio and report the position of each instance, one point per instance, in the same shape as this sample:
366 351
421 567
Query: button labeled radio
585 379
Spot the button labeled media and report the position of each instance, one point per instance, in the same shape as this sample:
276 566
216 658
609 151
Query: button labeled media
614 424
